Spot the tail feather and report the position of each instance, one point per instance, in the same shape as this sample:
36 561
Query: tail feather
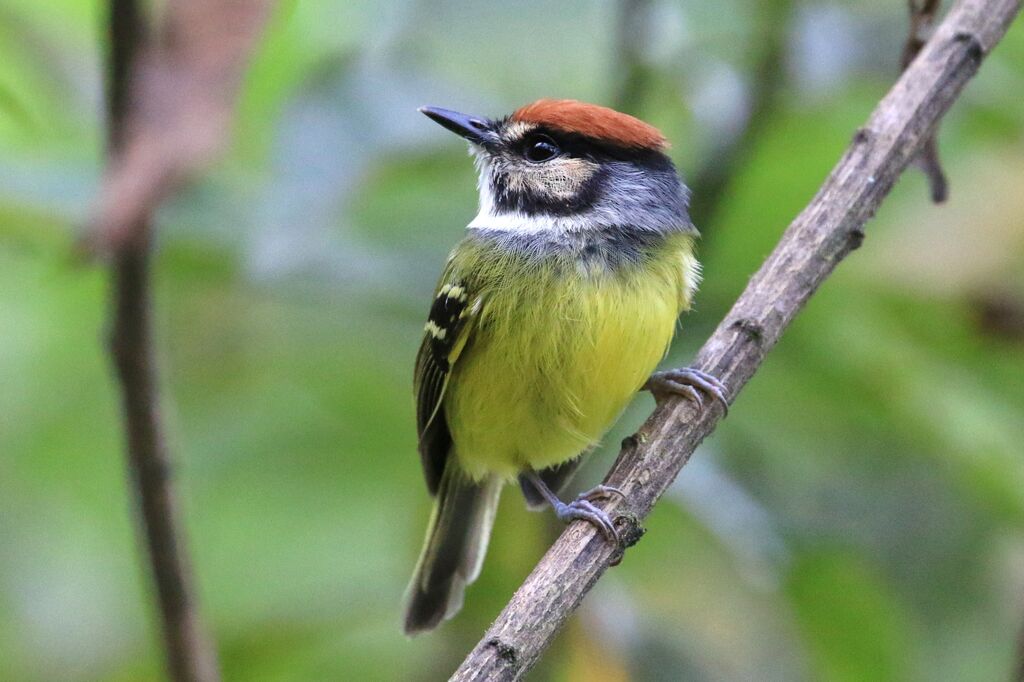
453 551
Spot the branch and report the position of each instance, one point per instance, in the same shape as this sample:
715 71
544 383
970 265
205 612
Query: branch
160 93
922 19
826 231
189 651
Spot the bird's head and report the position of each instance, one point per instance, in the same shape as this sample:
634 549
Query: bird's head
567 165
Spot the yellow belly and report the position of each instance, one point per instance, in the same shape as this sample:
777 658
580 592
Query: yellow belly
549 368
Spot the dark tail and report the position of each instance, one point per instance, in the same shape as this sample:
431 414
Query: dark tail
453 552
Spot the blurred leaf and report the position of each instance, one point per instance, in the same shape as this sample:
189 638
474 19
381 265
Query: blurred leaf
853 626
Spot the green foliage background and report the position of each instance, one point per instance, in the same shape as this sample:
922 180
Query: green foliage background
860 515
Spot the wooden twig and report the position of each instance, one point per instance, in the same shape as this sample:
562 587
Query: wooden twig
169 99
923 14
189 651
826 231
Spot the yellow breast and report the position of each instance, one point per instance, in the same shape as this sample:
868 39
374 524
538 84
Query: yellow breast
555 357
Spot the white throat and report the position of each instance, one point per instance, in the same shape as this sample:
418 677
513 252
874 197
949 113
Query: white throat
519 222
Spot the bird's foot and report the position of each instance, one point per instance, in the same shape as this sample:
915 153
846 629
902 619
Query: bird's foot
688 383
583 508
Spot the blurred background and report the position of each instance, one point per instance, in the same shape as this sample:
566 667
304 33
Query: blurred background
859 515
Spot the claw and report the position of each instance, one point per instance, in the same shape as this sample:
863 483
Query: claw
582 507
688 382
585 510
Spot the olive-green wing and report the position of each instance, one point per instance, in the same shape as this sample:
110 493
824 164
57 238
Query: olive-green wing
446 333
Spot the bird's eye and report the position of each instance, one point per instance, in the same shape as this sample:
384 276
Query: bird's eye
541 148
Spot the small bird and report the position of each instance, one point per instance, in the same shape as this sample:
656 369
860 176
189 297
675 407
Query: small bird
551 313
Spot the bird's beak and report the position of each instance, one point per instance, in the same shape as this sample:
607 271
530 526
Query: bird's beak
476 129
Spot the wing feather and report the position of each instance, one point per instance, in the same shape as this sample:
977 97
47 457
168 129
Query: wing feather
447 331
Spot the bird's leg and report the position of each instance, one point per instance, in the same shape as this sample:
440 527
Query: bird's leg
689 383
582 507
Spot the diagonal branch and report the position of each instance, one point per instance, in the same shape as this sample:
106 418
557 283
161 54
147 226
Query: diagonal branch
827 230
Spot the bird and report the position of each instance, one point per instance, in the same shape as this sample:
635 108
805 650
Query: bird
551 313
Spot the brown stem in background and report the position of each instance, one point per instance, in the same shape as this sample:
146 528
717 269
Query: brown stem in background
189 651
170 98
922 19
827 230
127 28
710 182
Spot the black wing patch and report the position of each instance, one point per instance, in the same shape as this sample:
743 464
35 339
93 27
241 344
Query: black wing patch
442 341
